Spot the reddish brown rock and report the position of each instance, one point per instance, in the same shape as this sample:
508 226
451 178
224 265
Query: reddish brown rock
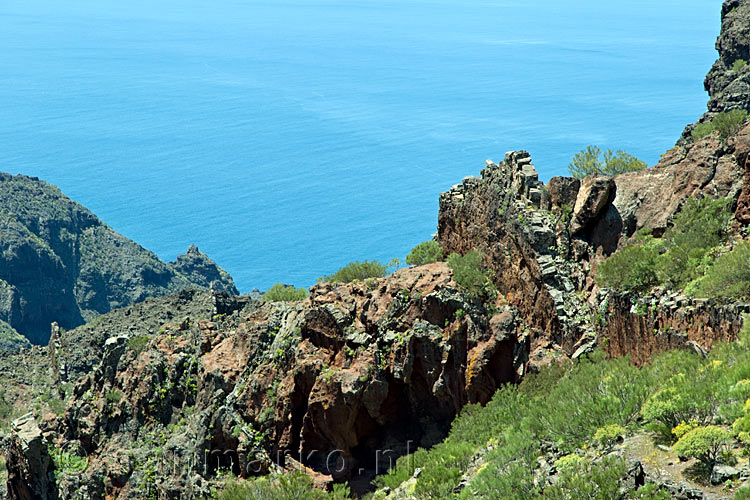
563 191
640 331
651 197
324 383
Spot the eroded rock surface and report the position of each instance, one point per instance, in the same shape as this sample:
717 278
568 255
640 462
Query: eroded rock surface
28 462
382 365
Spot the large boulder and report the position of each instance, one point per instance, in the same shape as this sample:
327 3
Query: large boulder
722 473
28 462
594 194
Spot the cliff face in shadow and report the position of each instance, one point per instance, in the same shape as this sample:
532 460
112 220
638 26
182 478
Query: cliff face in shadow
60 263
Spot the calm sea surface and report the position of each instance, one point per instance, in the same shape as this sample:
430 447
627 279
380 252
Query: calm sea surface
287 138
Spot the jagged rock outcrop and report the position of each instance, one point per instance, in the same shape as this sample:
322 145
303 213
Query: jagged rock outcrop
202 271
380 365
499 215
60 263
728 81
728 87
28 462
708 167
542 242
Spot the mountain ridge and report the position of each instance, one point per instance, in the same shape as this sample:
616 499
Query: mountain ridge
60 263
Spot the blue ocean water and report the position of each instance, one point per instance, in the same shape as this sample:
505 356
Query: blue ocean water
287 138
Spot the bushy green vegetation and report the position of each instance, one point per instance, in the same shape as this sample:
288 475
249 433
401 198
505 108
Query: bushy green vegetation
470 274
291 486
589 161
727 124
742 493
703 443
576 405
683 255
67 463
583 480
738 65
138 343
6 409
633 268
609 435
729 276
113 396
426 252
284 293
651 492
10 339
691 256
357 271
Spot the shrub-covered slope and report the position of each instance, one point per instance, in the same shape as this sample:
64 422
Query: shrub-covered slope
60 263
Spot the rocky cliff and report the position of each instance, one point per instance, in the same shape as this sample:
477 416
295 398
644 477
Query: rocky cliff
544 241
238 383
728 81
162 398
60 263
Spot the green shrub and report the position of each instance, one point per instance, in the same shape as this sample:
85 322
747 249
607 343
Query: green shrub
113 396
67 463
701 130
651 491
704 443
284 293
6 408
588 162
726 123
742 493
609 435
667 406
683 428
426 252
357 271
700 226
729 123
571 462
290 486
599 481
634 268
470 275
702 223
738 65
729 277
138 343
741 425
445 470
676 260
